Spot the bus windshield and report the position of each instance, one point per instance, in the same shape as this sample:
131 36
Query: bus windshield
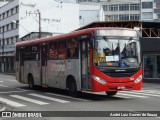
116 51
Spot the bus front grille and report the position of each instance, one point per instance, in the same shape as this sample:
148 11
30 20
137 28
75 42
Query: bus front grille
120 74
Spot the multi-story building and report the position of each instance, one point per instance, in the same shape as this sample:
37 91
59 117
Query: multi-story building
21 17
89 13
128 9
118 9
150 9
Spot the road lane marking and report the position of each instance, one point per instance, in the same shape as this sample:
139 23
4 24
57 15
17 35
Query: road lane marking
1 81
79 99
143 94
11 103
151 91
3 86
29 99
121 96
49 98
132 95
13 91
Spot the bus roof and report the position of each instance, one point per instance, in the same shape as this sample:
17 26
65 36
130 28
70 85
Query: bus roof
63 36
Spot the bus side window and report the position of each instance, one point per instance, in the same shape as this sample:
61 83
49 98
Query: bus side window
62 50
52 50
72 48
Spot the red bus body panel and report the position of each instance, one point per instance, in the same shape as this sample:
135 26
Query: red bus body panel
114 82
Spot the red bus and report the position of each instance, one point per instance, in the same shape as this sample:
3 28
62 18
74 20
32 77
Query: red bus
95 59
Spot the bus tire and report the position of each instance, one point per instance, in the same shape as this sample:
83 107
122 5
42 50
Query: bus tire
110 94
73 88
31 82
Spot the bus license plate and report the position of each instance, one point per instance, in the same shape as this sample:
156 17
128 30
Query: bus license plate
121 88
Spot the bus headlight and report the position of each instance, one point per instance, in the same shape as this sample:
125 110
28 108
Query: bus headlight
138 79
98 79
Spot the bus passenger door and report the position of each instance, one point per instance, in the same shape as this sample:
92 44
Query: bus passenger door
85 64
43 65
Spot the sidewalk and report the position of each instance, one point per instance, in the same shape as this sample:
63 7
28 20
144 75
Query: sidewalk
8 73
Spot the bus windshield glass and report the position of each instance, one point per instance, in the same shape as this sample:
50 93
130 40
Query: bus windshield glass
117 51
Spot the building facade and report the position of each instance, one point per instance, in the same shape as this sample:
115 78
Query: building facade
89 13
150 9
128 9
21 17
115 10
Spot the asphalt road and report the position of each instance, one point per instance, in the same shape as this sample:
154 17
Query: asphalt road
18 97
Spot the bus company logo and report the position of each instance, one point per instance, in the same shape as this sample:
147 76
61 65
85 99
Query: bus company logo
57 67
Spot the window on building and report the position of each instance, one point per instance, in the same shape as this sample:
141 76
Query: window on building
147 5
12 11
17 23
17 9
124 7
105 7
111 17
134 16
7 41
134 7
2 29
12 25
7 27
124 17
11 40
151 66
17 38
113 7
3 15
147 15
8 13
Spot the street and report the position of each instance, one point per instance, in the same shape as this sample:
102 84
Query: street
18 97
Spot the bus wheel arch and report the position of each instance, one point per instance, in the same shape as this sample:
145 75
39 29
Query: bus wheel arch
71 86
31 81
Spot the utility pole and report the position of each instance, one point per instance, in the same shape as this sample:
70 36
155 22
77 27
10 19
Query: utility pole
39 20
39 14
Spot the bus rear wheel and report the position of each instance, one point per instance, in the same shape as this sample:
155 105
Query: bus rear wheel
31 82
110 94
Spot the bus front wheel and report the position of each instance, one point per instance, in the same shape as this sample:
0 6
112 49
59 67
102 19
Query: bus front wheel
73 88
31 82
111 93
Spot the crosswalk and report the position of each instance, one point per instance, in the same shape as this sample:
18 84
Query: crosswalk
19 100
